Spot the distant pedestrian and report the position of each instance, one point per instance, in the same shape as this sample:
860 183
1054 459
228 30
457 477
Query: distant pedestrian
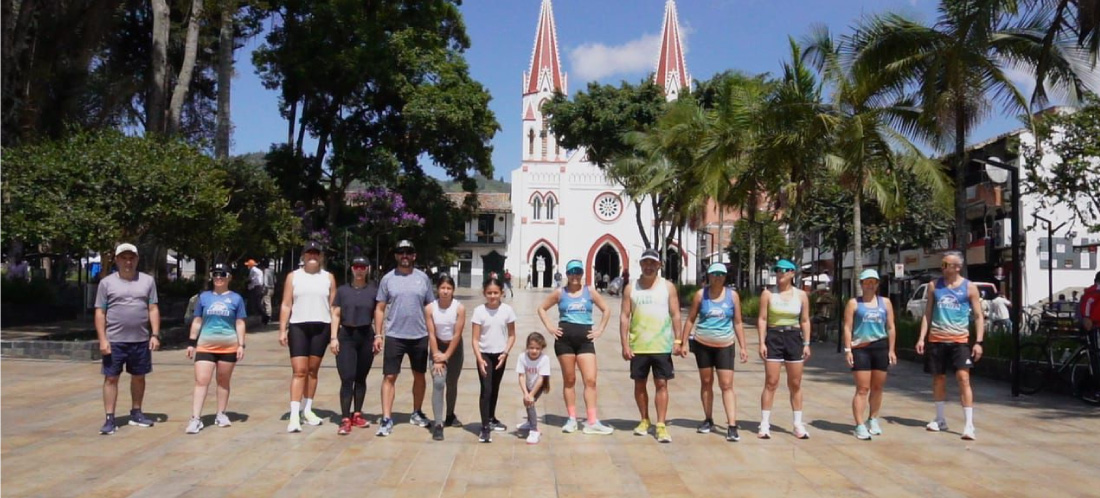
127 323
305 319
256 291
216 343
508 283
269 291
557 279
353 342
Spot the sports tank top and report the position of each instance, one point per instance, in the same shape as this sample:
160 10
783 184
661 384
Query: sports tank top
445 319
715 325
951 312
870 323
576 310
311 297
784 312
650 321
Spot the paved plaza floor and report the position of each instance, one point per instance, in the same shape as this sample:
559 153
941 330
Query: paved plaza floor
51 412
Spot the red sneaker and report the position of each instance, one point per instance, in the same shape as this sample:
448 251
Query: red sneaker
345 427
358 421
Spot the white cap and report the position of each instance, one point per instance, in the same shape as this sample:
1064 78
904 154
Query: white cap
125 247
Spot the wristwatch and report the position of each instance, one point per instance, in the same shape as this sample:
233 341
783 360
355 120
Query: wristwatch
978 343
847 350
805 343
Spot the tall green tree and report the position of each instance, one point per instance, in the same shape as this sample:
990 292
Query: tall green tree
1063 164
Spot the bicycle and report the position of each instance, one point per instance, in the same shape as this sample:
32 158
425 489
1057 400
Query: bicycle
1039 367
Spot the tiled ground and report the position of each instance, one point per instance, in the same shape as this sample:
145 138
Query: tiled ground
1032 446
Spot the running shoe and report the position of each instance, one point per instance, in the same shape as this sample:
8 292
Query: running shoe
294 425
139 419
452 421
358 421
598 429
222 420
732 435
642 428
345 427
437 432
662 434
419 419
533 437
936 426
497 426
705 427
968 433
570 426
873 427
862 433
765 431
486 435
311 418
108 427
800 431
194 425
385 427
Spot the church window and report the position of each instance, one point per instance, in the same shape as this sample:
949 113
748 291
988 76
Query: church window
545 137
550 204
608 206
531 142
537 205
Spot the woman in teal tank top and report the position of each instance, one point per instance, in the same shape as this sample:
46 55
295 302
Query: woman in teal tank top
715 317
784 328
869 347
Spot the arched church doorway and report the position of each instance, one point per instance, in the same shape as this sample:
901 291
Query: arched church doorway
492 262
542 268
672 264
606 262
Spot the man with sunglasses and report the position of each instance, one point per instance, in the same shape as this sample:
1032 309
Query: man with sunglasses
953 301
403 292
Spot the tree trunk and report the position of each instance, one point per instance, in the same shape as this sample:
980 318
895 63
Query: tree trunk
638 220
187 68
751 263
154 120
962 227
857 243
721 225
225 77
298 147
292 116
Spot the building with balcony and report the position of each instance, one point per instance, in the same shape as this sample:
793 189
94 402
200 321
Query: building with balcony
483 249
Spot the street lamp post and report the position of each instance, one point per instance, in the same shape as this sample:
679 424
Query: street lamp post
1050 256
1017 266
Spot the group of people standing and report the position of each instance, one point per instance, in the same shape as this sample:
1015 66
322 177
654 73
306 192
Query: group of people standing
405 314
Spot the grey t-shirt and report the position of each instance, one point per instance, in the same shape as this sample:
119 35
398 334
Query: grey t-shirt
405 296
127 305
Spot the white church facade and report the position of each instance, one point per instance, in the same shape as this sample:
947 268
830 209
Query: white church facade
564 207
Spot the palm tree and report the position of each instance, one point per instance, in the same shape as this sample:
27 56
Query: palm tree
958 67
1065 20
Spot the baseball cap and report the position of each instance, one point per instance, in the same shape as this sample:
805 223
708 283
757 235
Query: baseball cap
219 267
250 263
868 273
406 244
125 247
313 245
650 254
360 261
574 264
717 268
784 264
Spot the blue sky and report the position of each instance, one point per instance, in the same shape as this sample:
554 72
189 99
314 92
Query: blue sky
607 41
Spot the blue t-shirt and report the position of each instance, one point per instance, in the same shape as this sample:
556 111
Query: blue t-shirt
870 323
219 313
576 310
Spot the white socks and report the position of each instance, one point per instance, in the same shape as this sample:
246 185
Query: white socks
295 409
968 413
798 417
939 411
765 417
308 404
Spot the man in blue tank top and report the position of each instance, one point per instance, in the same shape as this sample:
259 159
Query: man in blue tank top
953 301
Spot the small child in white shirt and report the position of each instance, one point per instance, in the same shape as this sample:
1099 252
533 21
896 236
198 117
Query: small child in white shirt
534 381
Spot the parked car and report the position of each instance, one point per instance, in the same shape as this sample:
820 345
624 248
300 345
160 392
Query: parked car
919 302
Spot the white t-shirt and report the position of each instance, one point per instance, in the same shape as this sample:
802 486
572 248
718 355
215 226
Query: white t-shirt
494 327
533 369
998 308
445 320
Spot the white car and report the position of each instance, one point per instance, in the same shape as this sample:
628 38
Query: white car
919 302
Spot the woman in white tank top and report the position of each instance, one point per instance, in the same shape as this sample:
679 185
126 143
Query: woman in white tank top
446 318
304 326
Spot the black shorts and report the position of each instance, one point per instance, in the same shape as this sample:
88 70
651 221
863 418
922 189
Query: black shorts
395 349
309 338
873 356
216 357
135 356
712 357
943 357
784 344
660 363
574 339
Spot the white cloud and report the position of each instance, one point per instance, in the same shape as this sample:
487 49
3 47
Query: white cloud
596 61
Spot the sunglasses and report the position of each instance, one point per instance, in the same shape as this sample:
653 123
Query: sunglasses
949 265
404 251
783 270
219 274
575 272
358 267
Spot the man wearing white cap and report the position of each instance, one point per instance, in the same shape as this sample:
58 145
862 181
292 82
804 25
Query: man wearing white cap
127 322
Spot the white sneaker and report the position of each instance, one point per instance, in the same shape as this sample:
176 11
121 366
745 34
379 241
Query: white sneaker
570 426
295 425
873 427
598 429
533 437
765 431
968 433
800 431
311 418
936 426
194 426
222 420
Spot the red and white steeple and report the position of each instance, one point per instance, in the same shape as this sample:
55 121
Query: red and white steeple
543 78
672 73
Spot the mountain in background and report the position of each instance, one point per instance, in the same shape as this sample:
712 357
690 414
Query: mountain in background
484 185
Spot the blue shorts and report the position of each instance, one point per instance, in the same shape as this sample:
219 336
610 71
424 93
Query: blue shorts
134 355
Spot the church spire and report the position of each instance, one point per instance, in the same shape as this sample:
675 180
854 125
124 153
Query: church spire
545 70
672 74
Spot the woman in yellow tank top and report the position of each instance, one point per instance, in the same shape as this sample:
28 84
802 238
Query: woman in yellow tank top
784 328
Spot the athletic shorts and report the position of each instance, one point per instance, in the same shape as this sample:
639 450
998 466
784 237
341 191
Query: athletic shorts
135 356
660 363
943 357
395 349
712 357
309 338
873 356
574 339
784 344
216 357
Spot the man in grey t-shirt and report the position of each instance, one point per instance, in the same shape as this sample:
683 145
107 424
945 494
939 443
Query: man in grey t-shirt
404 292
127 322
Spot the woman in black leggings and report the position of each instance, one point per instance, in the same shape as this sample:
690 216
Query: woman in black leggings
353 342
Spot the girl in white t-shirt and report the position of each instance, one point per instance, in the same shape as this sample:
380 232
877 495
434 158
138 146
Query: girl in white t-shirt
445 318
494 330
534 381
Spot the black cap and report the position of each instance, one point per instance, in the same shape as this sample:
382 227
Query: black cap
360 261
313 245
405 244
219 267
650 254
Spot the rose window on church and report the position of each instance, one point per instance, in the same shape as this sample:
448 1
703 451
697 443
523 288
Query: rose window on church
608 206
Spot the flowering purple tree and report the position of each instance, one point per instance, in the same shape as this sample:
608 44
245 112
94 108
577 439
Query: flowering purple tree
383 217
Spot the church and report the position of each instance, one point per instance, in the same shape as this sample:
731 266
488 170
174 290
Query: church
564 207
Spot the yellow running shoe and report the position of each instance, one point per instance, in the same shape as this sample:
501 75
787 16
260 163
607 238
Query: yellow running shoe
662 434
642 428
